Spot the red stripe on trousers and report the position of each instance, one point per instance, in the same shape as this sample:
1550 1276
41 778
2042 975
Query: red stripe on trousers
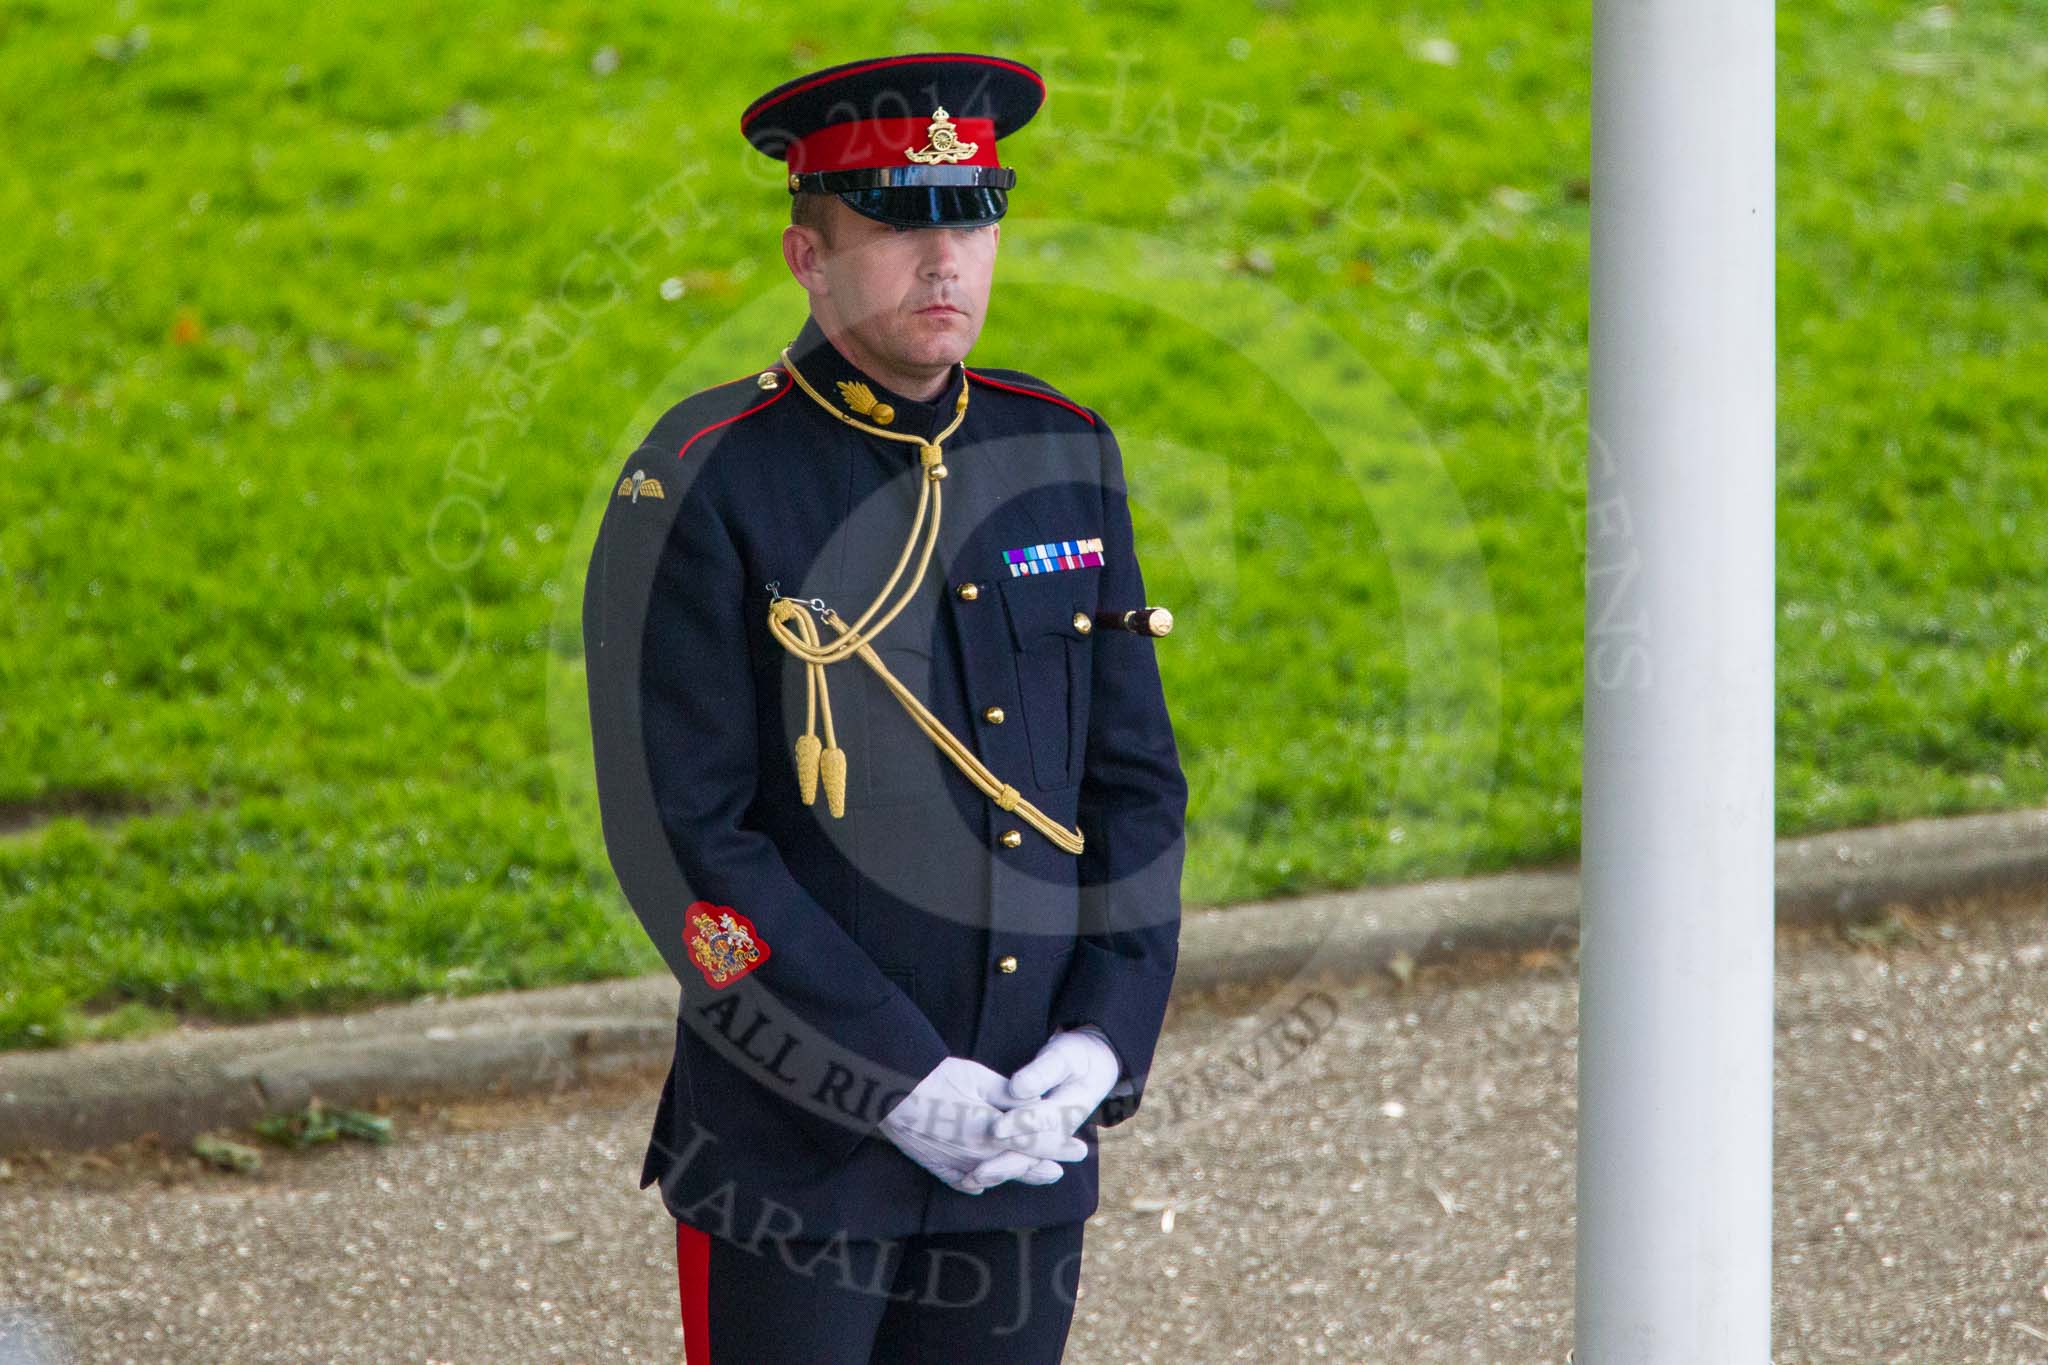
693 1279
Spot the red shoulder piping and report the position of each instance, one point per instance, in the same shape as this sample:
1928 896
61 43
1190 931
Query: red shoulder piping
1077 410
779 396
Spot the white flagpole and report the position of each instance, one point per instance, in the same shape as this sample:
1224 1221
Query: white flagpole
1674 1174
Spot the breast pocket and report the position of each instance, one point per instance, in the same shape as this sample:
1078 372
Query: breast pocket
901 761
1052 660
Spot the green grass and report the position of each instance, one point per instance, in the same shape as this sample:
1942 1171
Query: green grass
272 279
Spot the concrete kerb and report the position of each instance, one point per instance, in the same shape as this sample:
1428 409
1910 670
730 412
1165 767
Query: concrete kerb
194 1080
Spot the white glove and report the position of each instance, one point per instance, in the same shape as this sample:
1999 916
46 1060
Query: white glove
1061 1086
944 1126
1009 1165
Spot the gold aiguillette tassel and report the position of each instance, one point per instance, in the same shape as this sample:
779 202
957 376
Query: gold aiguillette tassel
832 762
807 748
835 781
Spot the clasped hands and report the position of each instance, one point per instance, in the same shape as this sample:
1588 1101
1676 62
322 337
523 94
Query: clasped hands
975 1128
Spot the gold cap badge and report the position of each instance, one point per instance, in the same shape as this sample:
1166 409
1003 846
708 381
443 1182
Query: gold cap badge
941 143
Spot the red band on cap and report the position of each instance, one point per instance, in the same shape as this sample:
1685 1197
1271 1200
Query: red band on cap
865 144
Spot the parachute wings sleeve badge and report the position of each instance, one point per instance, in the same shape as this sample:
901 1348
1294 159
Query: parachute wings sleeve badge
722 942
638 485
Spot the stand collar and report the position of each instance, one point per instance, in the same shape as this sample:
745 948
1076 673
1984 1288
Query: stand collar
822 364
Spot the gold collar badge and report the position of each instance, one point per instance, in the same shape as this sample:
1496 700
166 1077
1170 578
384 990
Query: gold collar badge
942 143
861 399
640 484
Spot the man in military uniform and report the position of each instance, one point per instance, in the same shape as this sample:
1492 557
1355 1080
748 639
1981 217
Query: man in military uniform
886 770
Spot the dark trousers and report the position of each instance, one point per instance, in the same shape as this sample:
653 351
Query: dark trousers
1000 1297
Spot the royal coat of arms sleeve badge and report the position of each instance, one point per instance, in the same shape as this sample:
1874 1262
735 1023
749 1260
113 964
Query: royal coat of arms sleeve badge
722 942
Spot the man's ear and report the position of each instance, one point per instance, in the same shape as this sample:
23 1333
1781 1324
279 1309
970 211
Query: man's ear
803 252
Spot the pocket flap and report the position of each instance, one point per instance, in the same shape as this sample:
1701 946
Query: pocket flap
1039 605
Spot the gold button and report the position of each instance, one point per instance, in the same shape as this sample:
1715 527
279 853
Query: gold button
794 182
1083 622
1006 963
994 715
1011 838
766 380
967 592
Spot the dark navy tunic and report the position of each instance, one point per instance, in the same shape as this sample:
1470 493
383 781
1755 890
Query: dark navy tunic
908 930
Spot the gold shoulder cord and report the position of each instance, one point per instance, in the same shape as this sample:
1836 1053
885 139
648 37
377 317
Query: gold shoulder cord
830 759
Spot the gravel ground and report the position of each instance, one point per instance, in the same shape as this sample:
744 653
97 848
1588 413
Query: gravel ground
1398 1187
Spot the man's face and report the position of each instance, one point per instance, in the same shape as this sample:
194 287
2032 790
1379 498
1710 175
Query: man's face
915 298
